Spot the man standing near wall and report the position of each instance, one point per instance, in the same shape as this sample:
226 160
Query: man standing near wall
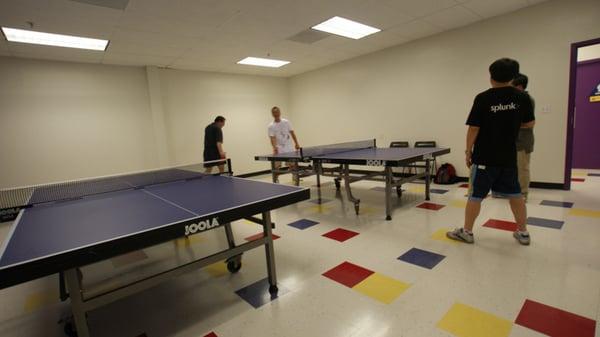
213 144
281 134
494 122
525 140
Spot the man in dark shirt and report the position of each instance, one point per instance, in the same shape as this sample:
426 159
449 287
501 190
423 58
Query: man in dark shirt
213 145
525 140
494 122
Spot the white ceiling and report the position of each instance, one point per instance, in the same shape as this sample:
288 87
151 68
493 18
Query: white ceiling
213 35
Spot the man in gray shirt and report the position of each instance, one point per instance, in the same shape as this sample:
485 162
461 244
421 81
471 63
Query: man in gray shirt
525 140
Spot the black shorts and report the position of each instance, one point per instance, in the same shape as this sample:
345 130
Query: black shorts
502 181
212 157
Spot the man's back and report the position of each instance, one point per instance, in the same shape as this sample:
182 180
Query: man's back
499 113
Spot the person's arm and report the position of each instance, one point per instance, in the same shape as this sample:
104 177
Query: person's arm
528 125
295 139
528 121
273 144
472 133
220 144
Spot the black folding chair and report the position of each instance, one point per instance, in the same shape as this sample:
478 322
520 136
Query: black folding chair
425 144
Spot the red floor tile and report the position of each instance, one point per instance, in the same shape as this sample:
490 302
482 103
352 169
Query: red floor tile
212 334
431 206
464 185
554 322
348 274
260 235
501 224
578 179
340 234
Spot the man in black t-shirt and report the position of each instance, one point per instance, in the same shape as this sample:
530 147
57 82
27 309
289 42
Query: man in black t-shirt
494 122
213 145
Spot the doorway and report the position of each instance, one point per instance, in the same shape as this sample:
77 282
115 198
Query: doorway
583 124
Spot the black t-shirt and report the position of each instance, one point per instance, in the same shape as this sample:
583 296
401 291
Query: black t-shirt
212 135
499 113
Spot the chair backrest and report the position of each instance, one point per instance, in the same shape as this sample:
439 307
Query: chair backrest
428 143
399 144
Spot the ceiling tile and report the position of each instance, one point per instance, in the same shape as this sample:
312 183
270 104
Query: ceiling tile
452 18
420 8
489 8
416 29
136 59
54 53
376 14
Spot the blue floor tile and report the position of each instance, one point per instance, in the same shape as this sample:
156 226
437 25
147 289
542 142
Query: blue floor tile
322 201
303 224
438 190
557 203
548 223
422 258
257 294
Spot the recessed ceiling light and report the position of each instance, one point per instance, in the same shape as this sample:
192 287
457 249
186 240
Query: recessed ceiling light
347 28
262 62
49 39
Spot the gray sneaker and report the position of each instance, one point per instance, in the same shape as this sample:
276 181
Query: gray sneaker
522 237
459 234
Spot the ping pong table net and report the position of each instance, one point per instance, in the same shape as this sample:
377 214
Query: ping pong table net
21 197
322 150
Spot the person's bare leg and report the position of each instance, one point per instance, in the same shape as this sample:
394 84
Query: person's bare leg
471 213
519 209
208 170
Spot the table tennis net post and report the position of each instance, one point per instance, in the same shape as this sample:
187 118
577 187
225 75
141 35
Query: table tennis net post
20 197
315 151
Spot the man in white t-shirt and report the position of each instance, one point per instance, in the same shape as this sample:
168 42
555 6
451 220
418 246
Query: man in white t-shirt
282 134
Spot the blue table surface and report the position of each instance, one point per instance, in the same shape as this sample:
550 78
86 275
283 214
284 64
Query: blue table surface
52 228
384 153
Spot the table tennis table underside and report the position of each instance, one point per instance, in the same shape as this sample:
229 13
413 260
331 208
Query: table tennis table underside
343 171
68 264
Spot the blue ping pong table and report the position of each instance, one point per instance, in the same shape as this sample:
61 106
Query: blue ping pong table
316 161
63 227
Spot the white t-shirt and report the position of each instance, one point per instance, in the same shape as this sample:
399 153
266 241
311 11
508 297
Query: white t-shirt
281 132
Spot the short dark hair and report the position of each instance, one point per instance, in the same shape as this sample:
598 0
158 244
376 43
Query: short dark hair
275 108
522 80
219 119
504 70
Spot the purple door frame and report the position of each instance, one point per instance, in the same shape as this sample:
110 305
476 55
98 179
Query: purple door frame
571 108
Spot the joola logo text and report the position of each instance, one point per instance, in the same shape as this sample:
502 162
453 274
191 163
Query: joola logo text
504 107
201 226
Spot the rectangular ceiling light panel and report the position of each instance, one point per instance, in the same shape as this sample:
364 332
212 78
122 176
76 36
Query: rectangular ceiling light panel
262 62
57 40
347 28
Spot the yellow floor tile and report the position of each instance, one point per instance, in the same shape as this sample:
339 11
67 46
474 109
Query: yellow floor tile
192 239
382 288
217 269
458 203
40 299
370 210
440 235
578 174
465 321
320 209
584 212
416 189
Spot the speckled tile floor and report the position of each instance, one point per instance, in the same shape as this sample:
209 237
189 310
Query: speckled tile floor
398 278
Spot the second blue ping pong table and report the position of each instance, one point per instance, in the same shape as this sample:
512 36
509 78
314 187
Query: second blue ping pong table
379 161
59 228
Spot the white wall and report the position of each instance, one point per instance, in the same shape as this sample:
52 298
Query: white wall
61 121
193 99
423 90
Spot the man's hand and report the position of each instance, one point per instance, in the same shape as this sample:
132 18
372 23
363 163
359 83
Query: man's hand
223 155
275 151
297 146
468 159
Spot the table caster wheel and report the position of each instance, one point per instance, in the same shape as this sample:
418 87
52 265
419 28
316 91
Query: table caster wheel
273 289
388 218
356 208
337 184
399 192
234 266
